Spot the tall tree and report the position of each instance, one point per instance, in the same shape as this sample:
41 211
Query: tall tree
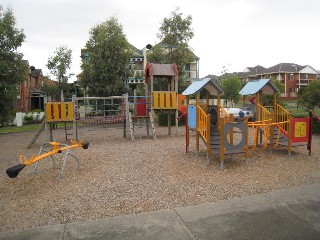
13 69
109 53
59 64
310 96
175 33
231 88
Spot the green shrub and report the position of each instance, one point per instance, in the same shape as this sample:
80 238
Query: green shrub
315 126
28 118
37 110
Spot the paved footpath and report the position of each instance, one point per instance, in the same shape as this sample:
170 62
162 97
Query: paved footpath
292 213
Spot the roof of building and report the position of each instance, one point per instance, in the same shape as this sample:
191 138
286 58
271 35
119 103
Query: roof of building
284 67
207 83
264 85
257 69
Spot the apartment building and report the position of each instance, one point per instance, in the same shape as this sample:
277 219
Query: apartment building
293 76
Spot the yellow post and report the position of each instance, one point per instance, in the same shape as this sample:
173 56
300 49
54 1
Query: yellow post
208 136
246 150
221 145
197 123
289 134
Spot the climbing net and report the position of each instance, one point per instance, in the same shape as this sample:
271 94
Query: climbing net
100 110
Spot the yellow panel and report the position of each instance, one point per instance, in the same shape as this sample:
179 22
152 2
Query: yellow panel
48 112
63 112
70 111
155 100
162 100
167 102
174 100
300 129
56 111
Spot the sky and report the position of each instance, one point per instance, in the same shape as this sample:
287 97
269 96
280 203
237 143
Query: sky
228 34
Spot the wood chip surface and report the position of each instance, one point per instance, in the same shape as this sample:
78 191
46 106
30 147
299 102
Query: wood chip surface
120 177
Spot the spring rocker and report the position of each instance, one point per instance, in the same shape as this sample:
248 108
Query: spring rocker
13 172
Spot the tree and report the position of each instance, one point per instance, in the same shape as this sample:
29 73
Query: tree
109 53
310 96
174 34
231 88
59 64
13 69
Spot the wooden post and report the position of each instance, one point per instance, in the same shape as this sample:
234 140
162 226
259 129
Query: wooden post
187 126
290 135
208 137
197 123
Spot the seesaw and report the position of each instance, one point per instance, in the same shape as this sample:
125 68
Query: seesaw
56 148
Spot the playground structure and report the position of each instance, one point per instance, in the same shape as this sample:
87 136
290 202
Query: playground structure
135 112
272 126
274 123
141 110
56 148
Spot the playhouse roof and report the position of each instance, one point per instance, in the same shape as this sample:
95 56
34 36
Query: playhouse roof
158 69
264 85
207 83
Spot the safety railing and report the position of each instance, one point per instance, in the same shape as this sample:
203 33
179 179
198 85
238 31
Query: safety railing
264 116
224 116
203 124
164 100
283 118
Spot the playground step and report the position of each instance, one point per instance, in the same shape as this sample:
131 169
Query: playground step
215 140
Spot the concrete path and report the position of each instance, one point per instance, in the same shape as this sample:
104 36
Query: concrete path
292 213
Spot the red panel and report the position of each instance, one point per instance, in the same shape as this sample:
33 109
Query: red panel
300 130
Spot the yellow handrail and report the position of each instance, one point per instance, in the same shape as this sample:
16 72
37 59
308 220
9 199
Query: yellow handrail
282 117
224 117
264 114
203 123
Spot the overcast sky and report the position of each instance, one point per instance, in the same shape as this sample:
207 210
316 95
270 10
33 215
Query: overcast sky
231 33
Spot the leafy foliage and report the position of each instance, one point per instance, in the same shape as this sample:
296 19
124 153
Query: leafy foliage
231 87
175 33
109 52
59 64
12 68
310 96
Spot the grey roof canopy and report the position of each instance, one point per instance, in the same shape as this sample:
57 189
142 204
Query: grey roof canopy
207 83
264 85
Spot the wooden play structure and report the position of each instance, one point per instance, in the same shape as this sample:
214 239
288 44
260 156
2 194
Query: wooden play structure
43 153
272 126
161 87
212 124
